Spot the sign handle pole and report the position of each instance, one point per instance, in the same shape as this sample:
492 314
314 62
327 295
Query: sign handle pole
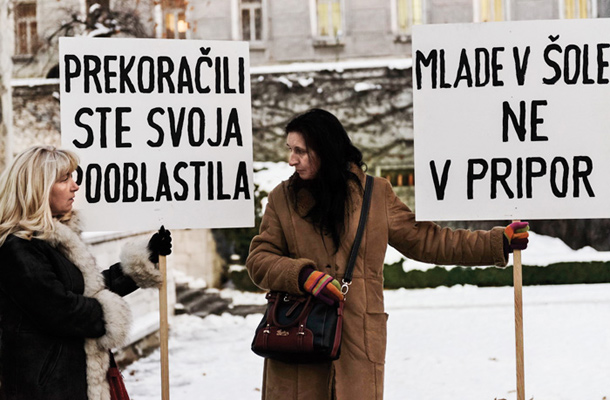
163 329
517 281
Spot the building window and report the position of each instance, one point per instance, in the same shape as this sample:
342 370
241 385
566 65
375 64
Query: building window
174 19
251 20
408 13
489 10
399 177
26 32
571 9
329 18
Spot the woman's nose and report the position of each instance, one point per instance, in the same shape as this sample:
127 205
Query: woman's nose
292 160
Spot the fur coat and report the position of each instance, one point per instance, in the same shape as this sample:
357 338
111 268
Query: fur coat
60 314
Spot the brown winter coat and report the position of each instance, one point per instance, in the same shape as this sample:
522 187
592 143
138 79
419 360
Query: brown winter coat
287 243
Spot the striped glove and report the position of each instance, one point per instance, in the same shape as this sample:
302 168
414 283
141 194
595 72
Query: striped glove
516 236
321 285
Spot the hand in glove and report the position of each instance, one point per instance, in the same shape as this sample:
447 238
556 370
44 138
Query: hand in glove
516 236
160 244
321 285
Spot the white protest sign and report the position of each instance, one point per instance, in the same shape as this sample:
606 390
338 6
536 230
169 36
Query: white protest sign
163 129
511 120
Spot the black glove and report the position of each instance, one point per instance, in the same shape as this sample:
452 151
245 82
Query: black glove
160 243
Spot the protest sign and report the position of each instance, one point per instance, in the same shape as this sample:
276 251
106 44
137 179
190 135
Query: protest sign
510 120
163 129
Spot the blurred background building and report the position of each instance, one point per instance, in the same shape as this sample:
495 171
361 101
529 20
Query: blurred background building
349 56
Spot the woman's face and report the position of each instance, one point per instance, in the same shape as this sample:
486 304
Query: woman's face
304 161
62 195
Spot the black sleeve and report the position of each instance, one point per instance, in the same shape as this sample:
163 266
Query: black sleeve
28 280
118 282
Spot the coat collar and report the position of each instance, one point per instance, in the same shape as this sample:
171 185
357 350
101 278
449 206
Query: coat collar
67 240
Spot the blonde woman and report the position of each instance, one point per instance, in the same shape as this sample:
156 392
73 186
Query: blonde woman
59 313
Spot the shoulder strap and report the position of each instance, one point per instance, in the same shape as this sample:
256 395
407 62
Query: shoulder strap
366 205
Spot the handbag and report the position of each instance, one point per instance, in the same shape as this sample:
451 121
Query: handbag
302 329
115 381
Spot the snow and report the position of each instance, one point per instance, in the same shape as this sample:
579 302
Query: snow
443 344
285 81
339 66
304 82
542 251
366 86
32 82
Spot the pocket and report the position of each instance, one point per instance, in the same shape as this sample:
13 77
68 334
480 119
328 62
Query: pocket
374 296
375 336
49 364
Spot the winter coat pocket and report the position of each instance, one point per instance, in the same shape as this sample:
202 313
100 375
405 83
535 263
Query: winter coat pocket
375 336
49 364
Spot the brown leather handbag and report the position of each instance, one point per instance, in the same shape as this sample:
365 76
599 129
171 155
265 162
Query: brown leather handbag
303 329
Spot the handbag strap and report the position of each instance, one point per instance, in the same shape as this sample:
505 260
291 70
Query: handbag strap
366 205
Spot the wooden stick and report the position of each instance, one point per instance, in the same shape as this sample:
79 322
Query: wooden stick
164 330
517 279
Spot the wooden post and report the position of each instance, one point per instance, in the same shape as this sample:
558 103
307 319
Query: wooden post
164 329
517 280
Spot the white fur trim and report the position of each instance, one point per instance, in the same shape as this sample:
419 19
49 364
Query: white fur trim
135 263
117 316
98 361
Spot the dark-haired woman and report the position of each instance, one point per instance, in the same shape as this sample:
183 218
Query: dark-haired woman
304 242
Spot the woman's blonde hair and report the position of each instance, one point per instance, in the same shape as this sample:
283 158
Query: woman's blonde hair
25 186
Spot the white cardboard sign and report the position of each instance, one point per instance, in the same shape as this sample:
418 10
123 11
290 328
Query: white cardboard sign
511 120
163 129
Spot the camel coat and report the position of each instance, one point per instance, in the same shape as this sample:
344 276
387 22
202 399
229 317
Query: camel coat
287 243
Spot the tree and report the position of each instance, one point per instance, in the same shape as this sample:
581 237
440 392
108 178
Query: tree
125 19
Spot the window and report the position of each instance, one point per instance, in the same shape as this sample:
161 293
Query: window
408 13
174 16
399 177
329 19
26 33
489 10
251 20
571 9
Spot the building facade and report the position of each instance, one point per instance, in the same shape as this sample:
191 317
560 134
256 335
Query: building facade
374 100
279 31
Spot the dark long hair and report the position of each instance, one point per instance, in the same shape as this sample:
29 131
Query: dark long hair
326 137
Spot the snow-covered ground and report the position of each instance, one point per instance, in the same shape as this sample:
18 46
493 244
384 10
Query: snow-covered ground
443 344
446 343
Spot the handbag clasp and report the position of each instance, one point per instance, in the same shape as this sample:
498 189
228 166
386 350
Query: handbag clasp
345 287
